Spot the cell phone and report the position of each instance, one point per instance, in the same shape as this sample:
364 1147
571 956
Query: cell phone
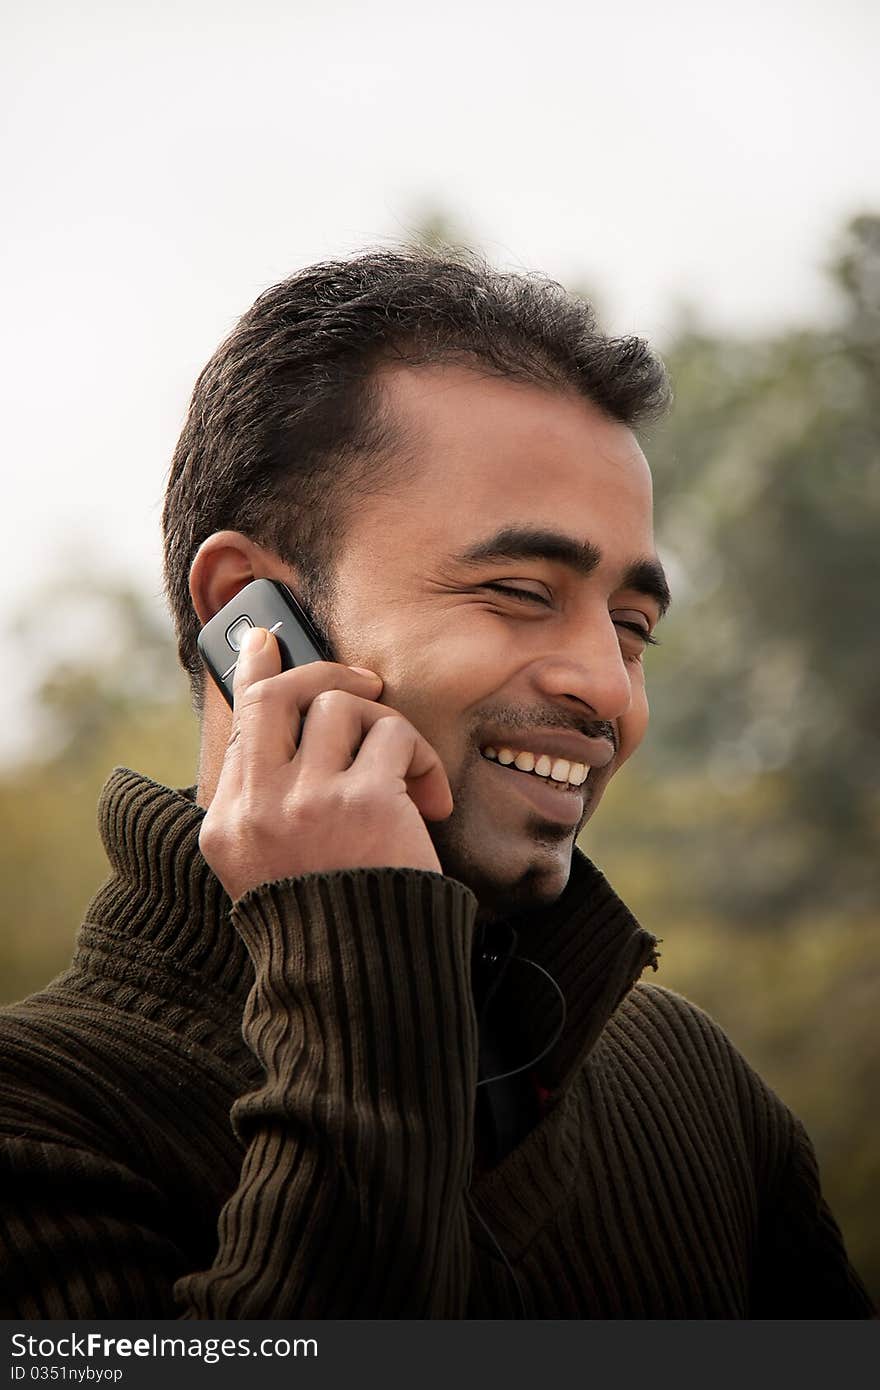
262 603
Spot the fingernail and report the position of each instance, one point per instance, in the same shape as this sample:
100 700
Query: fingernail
362 671
253 641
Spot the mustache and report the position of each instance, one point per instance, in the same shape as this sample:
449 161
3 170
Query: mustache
530 720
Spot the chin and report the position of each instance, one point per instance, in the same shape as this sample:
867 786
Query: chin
536 878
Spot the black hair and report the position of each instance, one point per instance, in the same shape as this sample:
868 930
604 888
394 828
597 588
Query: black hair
286 429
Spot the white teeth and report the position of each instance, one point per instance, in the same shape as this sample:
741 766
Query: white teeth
558 770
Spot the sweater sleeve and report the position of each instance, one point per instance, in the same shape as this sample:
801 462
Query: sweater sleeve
802 1269
359 1142
356 1143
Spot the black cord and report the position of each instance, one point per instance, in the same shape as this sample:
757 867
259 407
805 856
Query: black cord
503 1077
519 1293
553 1041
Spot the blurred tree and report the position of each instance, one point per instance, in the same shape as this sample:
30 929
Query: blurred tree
746 830
765 692
114 695
111 660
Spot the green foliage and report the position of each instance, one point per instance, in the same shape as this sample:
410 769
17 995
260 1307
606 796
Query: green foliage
115 696
768 501
745 832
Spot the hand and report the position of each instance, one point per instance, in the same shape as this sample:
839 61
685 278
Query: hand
349 788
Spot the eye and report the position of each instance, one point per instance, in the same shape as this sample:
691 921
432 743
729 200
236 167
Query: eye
524 594
638 628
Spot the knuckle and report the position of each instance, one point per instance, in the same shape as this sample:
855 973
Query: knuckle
393 725
256 819
313 796
356 800
331 700
306 819
255 696
212 836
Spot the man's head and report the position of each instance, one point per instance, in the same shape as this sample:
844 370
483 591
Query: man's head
405 439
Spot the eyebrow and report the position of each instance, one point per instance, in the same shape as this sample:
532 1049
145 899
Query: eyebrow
644 574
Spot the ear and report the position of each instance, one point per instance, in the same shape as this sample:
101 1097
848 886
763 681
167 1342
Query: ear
224 564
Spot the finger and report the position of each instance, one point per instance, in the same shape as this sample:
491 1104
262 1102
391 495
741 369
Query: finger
394 748
269 704
335 728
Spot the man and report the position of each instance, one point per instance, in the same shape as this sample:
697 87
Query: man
353 1029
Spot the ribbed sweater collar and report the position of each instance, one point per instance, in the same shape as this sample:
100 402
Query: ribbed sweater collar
164 911
595 950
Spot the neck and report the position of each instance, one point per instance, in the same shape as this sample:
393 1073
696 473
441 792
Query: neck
216 728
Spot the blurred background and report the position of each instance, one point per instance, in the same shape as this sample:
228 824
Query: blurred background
708 176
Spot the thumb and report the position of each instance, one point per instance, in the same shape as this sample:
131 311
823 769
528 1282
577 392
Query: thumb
258 659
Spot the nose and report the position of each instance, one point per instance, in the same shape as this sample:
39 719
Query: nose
590 669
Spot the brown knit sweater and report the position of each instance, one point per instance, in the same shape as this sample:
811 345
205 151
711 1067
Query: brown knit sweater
267 1110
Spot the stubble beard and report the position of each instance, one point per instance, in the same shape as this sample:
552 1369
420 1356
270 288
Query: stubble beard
460 845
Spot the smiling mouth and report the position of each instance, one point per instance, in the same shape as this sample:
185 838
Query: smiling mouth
559 773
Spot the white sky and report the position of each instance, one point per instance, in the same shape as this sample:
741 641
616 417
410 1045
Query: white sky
164 162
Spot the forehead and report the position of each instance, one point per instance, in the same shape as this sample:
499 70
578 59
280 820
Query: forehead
483 449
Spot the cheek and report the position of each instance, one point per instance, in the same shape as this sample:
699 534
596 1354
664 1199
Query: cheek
438 665
433 686
633 725
438 685
436 699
